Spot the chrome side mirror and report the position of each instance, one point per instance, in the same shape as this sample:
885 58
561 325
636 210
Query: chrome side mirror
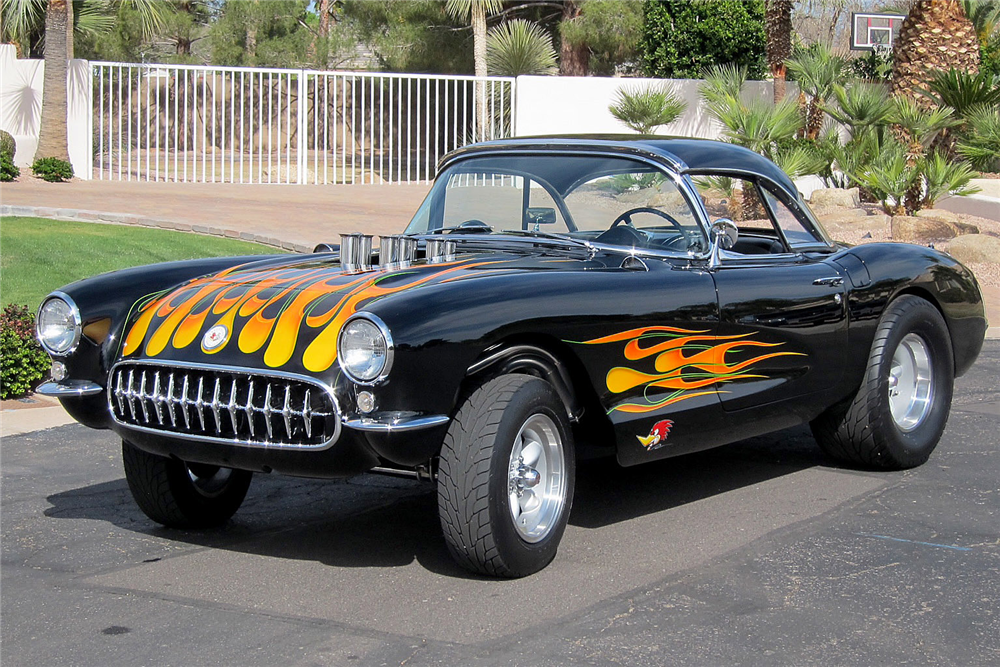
724 237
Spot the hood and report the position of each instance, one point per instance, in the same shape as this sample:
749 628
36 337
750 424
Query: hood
289 316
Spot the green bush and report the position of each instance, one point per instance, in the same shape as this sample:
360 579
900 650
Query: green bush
8 170
681 38
7 145
52 169
22 361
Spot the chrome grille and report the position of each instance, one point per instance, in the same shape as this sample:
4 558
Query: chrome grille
224 404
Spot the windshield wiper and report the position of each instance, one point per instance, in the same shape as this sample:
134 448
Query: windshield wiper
547 235
464 228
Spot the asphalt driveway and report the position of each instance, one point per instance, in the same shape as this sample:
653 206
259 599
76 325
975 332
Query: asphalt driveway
761 552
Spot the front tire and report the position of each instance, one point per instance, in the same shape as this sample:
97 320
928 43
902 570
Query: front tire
900 410
183 495
506 477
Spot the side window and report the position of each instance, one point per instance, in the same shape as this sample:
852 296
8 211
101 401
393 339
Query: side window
795 232
742 202
491 198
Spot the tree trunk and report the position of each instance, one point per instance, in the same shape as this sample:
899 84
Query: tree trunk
935 36
574 59
779 42
479 54
52 140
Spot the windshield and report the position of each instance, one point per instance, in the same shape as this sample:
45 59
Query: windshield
609 200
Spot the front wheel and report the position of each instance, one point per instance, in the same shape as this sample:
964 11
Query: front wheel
506 476
900 410
183 495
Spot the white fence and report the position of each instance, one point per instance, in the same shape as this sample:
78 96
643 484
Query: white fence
251 125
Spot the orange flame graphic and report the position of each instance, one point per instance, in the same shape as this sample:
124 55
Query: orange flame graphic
685 361
274 307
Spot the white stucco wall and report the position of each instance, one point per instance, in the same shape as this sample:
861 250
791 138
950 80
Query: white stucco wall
21 108
579 105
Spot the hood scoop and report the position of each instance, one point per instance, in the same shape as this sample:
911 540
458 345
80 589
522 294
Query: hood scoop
396 251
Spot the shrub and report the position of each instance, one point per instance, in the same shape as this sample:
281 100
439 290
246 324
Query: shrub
8 170
981 146
875 67
7 145
680 38
52 169
645 109
22 361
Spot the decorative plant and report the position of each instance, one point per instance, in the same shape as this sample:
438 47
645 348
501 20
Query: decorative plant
981 144
889 178
7 144
8 170
643 109
52 169
943 178
519 47
22 361
861 106
817 70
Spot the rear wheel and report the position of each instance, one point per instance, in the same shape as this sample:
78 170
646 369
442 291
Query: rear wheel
900 410
183 495
505 479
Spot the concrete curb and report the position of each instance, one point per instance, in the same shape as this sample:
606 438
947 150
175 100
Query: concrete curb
79 215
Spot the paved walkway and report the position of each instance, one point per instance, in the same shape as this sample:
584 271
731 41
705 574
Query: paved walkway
292 216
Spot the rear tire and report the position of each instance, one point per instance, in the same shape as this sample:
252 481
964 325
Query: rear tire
899 412
506 476
183 495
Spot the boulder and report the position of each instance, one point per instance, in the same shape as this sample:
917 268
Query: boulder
975 248
841 214
921 230
829 197
937 214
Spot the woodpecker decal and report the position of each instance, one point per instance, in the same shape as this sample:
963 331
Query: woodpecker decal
657 435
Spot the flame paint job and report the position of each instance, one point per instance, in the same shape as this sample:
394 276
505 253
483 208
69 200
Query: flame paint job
275 310
687 361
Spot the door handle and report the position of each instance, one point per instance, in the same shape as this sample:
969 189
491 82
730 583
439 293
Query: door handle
833 281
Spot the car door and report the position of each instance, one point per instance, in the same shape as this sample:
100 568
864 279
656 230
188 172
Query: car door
782 309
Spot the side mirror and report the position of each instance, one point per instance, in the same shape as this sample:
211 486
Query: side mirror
724 237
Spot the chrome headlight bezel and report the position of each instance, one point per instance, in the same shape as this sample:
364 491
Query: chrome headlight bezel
74 313
383 330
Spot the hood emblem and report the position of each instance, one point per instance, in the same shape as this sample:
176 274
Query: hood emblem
215 337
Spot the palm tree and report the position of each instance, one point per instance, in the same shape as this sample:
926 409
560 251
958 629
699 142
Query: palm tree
476 11
778 21
936 36
817 70
645 109
519 47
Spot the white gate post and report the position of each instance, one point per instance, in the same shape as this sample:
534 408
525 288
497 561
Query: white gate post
303 123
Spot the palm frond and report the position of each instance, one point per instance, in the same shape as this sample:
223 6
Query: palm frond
643 109
519 47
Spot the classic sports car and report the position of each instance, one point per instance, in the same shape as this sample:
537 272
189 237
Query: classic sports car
551 298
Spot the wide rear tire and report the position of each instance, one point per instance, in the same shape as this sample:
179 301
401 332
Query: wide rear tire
506 476
899 412
183 495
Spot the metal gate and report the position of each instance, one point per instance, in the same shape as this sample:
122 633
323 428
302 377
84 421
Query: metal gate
254 125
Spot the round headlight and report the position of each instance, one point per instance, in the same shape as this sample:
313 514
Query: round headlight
364 349
58 325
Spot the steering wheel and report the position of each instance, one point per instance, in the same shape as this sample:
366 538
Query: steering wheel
626 217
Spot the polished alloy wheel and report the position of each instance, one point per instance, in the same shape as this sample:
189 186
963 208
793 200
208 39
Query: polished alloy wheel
911 383
536 480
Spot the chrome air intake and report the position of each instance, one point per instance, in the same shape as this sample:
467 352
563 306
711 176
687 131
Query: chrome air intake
356 252
396 251
439 250
239 406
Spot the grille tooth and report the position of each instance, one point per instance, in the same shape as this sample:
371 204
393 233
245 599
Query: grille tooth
142 398
307 415
232 406
184 402
200 403
286 411
164 390
216 405
249 409
171 408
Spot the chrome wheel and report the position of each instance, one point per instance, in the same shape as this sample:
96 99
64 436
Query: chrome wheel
911 383
536 479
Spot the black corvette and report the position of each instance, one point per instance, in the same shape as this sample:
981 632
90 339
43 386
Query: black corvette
641 298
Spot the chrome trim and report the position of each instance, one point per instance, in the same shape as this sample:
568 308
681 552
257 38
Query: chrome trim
69 388
77 320
389 346
215 406
396 424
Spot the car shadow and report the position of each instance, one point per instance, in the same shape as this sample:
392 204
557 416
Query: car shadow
377 522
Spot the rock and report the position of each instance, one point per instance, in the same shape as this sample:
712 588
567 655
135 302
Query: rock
921 230
974 248
841 215
965 228
835 197
937 214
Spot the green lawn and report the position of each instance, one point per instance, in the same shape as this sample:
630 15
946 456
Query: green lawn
39 255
